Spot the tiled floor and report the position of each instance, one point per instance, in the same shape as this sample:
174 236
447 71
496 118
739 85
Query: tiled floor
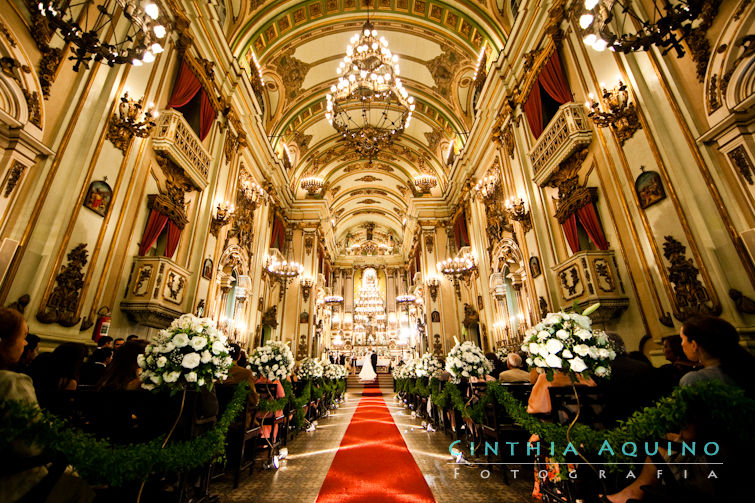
310 455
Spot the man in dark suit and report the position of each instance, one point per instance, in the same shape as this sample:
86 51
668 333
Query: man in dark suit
342 359
373 359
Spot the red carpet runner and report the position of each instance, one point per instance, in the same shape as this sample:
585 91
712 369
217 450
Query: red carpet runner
373 464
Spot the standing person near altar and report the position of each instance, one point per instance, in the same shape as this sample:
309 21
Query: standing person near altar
368 373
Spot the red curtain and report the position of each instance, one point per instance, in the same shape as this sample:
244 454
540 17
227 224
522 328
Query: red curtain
589 220
553 80
174 234
186 87
278 237
533 110
206 115
570 230
155 225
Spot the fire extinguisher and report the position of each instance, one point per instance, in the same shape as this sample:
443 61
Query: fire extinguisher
102 327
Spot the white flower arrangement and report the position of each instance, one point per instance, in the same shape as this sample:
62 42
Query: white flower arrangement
467 360
502 353
428 366
310 368
398 371
566 342
192 353
273 361
334 371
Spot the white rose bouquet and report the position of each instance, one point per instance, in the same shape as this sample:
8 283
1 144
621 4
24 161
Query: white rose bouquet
309 368
566 342
398 371
190 354
428 366
334 371
273 361
502 353
467 360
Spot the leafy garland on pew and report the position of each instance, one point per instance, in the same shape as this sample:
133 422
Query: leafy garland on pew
726 405
99 461
334 387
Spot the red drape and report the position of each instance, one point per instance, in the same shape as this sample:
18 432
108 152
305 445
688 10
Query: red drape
155 225
174 234
533 110
278 237
570 230
186 87
206 115
589 220
553 80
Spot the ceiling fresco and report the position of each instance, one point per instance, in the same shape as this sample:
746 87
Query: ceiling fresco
296 46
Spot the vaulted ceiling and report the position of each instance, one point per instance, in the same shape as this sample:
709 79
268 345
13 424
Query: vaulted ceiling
297 46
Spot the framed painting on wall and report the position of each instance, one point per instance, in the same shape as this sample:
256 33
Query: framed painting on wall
207 269
649 188
98 198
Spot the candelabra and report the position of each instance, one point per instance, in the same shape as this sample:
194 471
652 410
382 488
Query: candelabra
252 192
425 182
517 210
618 113
131 120
487 186
458 268
312 184
223 215
432 285
667 24
111 31
283 272
306 284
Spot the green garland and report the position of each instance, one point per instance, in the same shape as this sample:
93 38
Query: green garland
99 461
315 388
724 405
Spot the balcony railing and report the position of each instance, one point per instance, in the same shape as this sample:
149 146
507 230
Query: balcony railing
588 277
174 137
156 291
568 131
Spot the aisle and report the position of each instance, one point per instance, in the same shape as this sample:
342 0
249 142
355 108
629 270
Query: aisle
373 463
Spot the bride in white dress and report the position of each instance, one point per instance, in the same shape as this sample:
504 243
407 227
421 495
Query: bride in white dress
367 373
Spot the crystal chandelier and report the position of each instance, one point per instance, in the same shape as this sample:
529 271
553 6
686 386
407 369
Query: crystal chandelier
665 26
457 268
283 272
369 105
312 184
99 32
332 300
253 192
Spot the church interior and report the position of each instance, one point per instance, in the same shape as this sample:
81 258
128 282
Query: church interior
395 201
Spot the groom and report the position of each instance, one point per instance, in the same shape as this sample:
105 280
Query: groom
373 359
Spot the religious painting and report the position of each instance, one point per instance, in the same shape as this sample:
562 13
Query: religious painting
479 303
207 269
304 317
435 317
98 198
649 188
535 267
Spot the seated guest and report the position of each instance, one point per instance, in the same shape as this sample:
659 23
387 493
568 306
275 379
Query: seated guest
280 392
540 398
498 365
632 384
105 342
714 344
132 337
92 369
31 351
123 372
243 360
19 475
238 374
678 365
514 372
60 369
117 343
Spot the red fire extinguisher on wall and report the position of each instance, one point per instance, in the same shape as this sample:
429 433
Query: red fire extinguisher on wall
102 327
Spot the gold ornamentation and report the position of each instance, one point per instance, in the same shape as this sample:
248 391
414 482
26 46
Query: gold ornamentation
14 175
230 145
309 243
223 214
742 162
63 303
292 72
249 196
35 108
517 210
429 242
130 120
713 101
5 32
620 115
48 66
368 178
690 295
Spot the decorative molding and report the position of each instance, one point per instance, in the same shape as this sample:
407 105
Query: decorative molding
5 32
309 243
270 317
697 39
21 303
741 160
690 295
429 242
48 67
743 304
14 175
63 303
230 145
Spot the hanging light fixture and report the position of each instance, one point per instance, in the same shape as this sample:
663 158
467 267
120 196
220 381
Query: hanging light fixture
425 182
665 26
111 31
312 184
369 105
